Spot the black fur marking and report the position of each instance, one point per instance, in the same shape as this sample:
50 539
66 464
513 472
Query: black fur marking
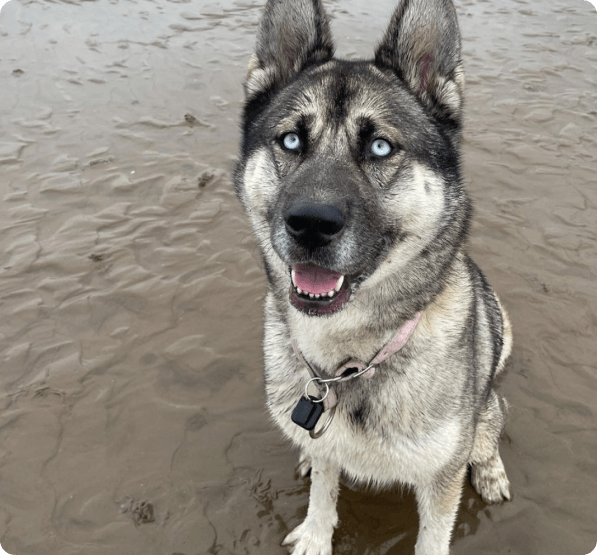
339 95
402 235
360 415
302 129
494 315
468 338
366 131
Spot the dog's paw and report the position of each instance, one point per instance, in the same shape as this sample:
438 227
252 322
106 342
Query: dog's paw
304 465
310 538
490 480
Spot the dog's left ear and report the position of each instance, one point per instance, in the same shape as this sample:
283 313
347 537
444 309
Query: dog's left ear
292 35
422 45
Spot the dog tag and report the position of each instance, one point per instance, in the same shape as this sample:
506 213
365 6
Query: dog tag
306 414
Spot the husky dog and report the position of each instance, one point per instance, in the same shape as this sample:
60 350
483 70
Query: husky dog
350 175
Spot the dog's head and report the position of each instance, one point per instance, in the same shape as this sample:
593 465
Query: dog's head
349 170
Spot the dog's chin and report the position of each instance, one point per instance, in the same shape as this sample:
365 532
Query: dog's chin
319 304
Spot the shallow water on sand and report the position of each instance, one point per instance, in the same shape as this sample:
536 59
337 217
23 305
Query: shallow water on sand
132 415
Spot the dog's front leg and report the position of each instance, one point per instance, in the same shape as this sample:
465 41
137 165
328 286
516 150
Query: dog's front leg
438 503
314 535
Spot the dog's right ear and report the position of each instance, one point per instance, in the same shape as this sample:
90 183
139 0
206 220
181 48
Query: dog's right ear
292 35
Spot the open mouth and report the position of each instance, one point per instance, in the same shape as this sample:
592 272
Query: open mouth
316 290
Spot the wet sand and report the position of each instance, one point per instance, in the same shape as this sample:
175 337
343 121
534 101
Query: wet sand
132 415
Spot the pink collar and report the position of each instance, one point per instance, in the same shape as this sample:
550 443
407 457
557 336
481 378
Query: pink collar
392 347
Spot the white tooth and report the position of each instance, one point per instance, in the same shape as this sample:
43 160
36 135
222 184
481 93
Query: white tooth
299 290
339 284
311 295
293 277
317 295
331 293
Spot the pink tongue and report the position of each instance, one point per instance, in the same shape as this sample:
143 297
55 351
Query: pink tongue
316 280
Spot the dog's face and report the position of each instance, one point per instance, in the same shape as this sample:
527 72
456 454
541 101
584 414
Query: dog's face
350 173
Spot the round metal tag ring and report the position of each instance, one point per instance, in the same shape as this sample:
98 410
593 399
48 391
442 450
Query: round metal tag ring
315 434
327 391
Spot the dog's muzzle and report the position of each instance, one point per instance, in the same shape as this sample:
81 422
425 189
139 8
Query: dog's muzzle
315 289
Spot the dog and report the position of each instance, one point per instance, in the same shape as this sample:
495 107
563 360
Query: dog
382 337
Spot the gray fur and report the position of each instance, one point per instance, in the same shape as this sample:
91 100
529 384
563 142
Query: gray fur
426 34
291 36
431 409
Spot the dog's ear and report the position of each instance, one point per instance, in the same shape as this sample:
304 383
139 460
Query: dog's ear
422 45
292 35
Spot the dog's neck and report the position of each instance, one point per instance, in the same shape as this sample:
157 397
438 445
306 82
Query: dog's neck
328 342
393 346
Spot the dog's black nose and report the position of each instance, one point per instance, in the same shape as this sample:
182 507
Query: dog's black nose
313 224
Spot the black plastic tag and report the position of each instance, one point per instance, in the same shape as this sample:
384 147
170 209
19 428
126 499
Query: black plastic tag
306 414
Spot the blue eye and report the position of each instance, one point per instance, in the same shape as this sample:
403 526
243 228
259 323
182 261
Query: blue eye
380 148
291 141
